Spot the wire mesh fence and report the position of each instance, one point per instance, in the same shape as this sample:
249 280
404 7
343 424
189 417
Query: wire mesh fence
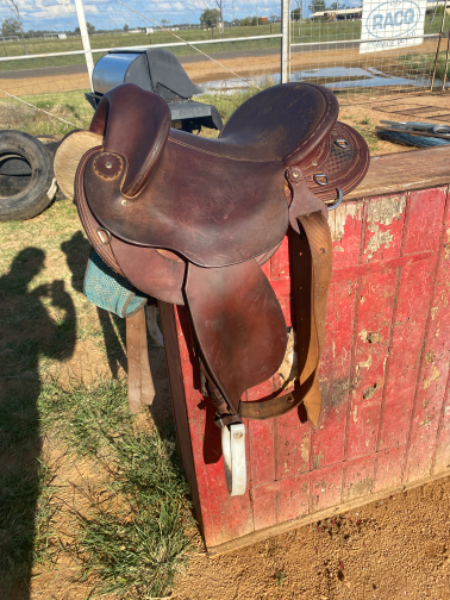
226 46
333 47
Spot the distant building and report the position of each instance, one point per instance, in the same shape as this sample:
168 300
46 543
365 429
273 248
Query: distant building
341 14
62 36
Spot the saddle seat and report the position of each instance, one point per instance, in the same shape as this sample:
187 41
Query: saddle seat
214 202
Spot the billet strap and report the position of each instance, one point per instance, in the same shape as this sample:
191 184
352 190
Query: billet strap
312 262
141 389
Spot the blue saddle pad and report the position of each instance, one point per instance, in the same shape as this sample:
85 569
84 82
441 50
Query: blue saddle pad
108 290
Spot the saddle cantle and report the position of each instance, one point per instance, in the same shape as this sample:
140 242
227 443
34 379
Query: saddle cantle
190 220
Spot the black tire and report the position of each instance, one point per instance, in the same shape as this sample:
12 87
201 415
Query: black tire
25 190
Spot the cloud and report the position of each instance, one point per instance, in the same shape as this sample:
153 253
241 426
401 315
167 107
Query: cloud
60 15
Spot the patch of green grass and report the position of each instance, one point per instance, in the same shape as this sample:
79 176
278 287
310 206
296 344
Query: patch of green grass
280 577
70 106
226 104
133 537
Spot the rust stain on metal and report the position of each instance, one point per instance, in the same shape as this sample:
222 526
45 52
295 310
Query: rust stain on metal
338 218
383 212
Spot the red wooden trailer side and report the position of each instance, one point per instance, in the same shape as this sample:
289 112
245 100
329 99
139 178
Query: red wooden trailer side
384 375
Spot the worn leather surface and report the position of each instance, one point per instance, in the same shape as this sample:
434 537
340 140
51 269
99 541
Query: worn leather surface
239 325
89 222
140 137
213 211
190 219
228 194
284 122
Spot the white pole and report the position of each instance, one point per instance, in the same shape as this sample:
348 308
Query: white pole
284 40
85 39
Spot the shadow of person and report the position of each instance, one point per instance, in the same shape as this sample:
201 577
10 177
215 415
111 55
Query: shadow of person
27 333
77 251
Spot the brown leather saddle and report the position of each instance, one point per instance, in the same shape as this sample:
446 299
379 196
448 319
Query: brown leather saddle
190 221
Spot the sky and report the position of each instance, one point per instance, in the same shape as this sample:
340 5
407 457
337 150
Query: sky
60 15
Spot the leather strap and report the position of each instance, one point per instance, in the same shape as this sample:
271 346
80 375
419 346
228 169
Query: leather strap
141 389
312 262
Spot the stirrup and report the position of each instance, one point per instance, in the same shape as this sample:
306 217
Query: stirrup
233 450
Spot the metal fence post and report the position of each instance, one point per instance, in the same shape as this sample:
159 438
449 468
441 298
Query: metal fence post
85 39
285 26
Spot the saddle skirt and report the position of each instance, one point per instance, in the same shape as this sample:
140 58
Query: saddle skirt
190 221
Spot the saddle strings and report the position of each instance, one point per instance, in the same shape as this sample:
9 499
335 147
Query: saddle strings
185 42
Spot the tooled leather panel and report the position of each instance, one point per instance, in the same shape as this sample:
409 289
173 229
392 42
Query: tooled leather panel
285 122
135 124
345 168
213 211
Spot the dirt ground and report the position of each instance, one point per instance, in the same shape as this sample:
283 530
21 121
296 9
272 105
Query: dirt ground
387 550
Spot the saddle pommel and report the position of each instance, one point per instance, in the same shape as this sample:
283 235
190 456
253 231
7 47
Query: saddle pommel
141 128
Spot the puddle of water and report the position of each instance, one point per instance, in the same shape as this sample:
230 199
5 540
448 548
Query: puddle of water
343 78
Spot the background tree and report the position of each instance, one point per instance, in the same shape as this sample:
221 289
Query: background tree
10 27
90 28
13 6
317 6
164 22
210 18
126 27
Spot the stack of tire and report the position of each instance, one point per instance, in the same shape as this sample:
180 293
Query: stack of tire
27 183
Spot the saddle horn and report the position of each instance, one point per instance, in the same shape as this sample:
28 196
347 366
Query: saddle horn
139 140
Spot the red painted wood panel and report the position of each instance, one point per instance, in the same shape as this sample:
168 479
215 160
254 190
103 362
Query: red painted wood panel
433 375
384 377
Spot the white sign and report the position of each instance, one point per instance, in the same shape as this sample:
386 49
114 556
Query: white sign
391 24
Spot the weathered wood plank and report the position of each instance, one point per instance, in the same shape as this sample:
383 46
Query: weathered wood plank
394 173
432 383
